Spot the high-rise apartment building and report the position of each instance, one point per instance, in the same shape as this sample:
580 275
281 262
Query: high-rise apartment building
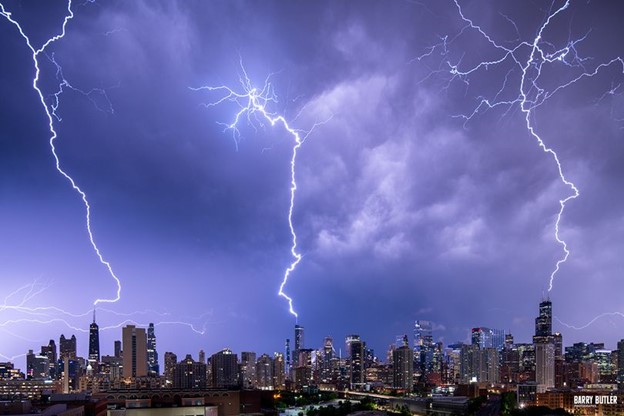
264 372
170 362
403 366
247 370
134 351
279 371
189 374
224 369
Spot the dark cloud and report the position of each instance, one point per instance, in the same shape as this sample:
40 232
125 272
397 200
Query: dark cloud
405 210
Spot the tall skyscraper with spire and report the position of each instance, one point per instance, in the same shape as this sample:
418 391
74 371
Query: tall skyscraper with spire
94 341
153 369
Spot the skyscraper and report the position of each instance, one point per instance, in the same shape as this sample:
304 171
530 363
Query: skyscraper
67 347
423 346
620 369
288 357
356 354
189 374
403 366
299 345
153 369
50 352
224 369
488 338
544 347
327 355
170 362
278 371
94 341
543 323
264 372
118 350
248 370
134 351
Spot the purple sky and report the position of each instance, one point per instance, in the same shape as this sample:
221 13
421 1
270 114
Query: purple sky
404 210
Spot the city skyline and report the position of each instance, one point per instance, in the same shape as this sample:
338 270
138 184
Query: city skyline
415 202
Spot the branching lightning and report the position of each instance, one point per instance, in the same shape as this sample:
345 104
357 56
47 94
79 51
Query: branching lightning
529 58
50 113
252 103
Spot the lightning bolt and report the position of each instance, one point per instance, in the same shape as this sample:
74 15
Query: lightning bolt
252 103
530 94
50 113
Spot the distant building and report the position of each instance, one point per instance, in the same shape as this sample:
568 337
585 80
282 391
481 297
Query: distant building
118 350
67 347
264 372
135 351
224 369
50 352
37 366
153 369
488 338
356 360
94 342
299 344
403 368
423 347
189 374
170 363
279 371
247 370
620 360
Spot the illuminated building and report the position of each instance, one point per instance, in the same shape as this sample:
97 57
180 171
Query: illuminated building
170 362
264 372
224 366
67 347
423 347
50 352
356 360
189 374
94 341
403 368
118 351
279 371
37 366
543 323
545 365
620 364
299 344
247 370
134 351
327 354
153 369
488 338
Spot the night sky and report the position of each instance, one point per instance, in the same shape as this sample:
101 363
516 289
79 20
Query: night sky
404 210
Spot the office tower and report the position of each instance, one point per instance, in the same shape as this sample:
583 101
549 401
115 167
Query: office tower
94 341
543 323
489 368
545 364
153 369
403 368
170 362
224 366
620 360
202 356
288 357
37 366
423 347
356 354
327 355
50 352
509 341
189 374
488 338
279 371
118 351
299 344
303 373
559 360
469 363
247 371
264 372
135 351
67 347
